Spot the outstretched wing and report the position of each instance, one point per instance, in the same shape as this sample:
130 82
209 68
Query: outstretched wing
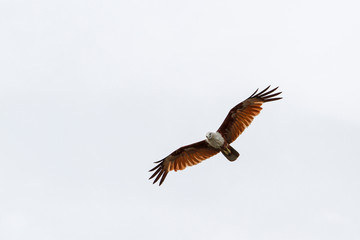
242 114
183 157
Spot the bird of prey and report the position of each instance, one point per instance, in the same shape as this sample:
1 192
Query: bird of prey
234 124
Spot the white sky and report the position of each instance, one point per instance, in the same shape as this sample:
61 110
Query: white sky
93 92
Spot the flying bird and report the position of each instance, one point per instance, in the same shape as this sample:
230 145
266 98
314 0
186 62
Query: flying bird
234 124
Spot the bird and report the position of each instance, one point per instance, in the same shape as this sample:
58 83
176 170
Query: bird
238 118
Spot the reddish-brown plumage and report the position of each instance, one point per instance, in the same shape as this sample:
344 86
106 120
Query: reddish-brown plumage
242 114
234 124
183 157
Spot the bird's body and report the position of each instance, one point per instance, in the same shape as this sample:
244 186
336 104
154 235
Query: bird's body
234 124
217 141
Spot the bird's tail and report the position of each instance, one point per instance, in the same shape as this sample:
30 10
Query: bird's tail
230 153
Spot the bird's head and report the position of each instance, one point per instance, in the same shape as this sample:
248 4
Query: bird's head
209 135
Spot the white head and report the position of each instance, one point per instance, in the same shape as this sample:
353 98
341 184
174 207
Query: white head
215 139
209 135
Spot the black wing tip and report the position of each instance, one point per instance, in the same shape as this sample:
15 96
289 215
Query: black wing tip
157 166
162 174
266 96
159 173
254 93
273 99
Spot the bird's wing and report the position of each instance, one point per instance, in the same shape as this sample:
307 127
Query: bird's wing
181 158
242 114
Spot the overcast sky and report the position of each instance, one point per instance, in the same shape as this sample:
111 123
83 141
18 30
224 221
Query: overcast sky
93 92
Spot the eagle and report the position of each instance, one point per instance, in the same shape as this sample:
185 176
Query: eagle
234 124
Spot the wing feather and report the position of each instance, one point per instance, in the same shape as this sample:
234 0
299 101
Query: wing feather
181 158
243 114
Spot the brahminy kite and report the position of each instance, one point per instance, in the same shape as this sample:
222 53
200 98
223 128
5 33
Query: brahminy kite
234 124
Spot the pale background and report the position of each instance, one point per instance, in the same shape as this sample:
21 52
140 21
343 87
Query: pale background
93 92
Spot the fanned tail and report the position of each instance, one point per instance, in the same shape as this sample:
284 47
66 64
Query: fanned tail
230 153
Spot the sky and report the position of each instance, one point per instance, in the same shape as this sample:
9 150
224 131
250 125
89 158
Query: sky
93 92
